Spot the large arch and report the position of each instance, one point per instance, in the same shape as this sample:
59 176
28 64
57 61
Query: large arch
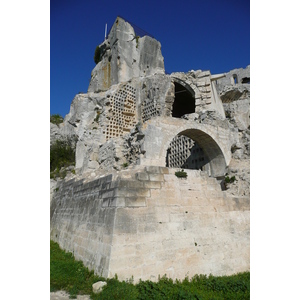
161 131
211 149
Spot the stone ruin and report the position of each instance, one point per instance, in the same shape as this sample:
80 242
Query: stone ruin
124 211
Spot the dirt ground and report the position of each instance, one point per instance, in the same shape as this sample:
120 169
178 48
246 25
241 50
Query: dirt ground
61 295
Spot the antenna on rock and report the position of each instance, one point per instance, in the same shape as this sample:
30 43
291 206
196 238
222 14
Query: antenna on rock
105 31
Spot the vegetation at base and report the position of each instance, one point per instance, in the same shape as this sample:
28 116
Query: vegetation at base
56 119
181 174
70 275
62 155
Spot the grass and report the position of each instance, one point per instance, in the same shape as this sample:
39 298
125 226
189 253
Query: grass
70 275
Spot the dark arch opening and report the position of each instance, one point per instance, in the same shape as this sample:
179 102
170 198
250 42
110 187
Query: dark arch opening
246 80
184 102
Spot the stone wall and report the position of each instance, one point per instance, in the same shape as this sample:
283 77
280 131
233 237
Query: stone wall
146 222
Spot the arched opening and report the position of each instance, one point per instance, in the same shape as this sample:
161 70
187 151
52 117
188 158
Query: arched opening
194 149
187 154
184 102
234 79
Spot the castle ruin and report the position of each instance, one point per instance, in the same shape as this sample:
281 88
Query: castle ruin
125 211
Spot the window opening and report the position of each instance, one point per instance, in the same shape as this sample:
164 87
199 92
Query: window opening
184 102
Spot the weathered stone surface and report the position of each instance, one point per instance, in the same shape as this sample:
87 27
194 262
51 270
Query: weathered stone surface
124 56
98 286
185 226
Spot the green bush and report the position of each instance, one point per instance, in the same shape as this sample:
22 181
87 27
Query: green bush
99 52
181 174
62 154
119 290
229 179
56 119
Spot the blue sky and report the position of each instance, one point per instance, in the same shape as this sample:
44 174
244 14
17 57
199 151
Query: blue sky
208 35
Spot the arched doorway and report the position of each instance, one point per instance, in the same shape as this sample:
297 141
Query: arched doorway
194 149
184 102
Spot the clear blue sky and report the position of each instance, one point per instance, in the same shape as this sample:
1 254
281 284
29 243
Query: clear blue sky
195 34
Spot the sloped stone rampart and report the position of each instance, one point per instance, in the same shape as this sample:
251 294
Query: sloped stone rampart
147 222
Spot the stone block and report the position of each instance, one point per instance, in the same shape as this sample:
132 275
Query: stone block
98 286
156 177
152 184
116 202
133 192
130 184
142 176
135 202
153 169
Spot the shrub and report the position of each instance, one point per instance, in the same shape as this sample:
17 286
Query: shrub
119 290
181 174
62 154
97 55
229 179
99 52
56 119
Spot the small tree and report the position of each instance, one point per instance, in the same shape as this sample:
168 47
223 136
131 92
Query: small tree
56 119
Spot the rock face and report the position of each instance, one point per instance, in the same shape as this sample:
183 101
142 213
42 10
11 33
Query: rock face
98 286
123 56
234 90
134 128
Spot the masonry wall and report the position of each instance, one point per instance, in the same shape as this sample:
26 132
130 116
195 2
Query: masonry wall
147 222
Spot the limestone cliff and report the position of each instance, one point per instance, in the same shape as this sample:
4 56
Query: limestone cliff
125 55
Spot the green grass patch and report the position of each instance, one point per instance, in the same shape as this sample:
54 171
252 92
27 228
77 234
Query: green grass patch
70 275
